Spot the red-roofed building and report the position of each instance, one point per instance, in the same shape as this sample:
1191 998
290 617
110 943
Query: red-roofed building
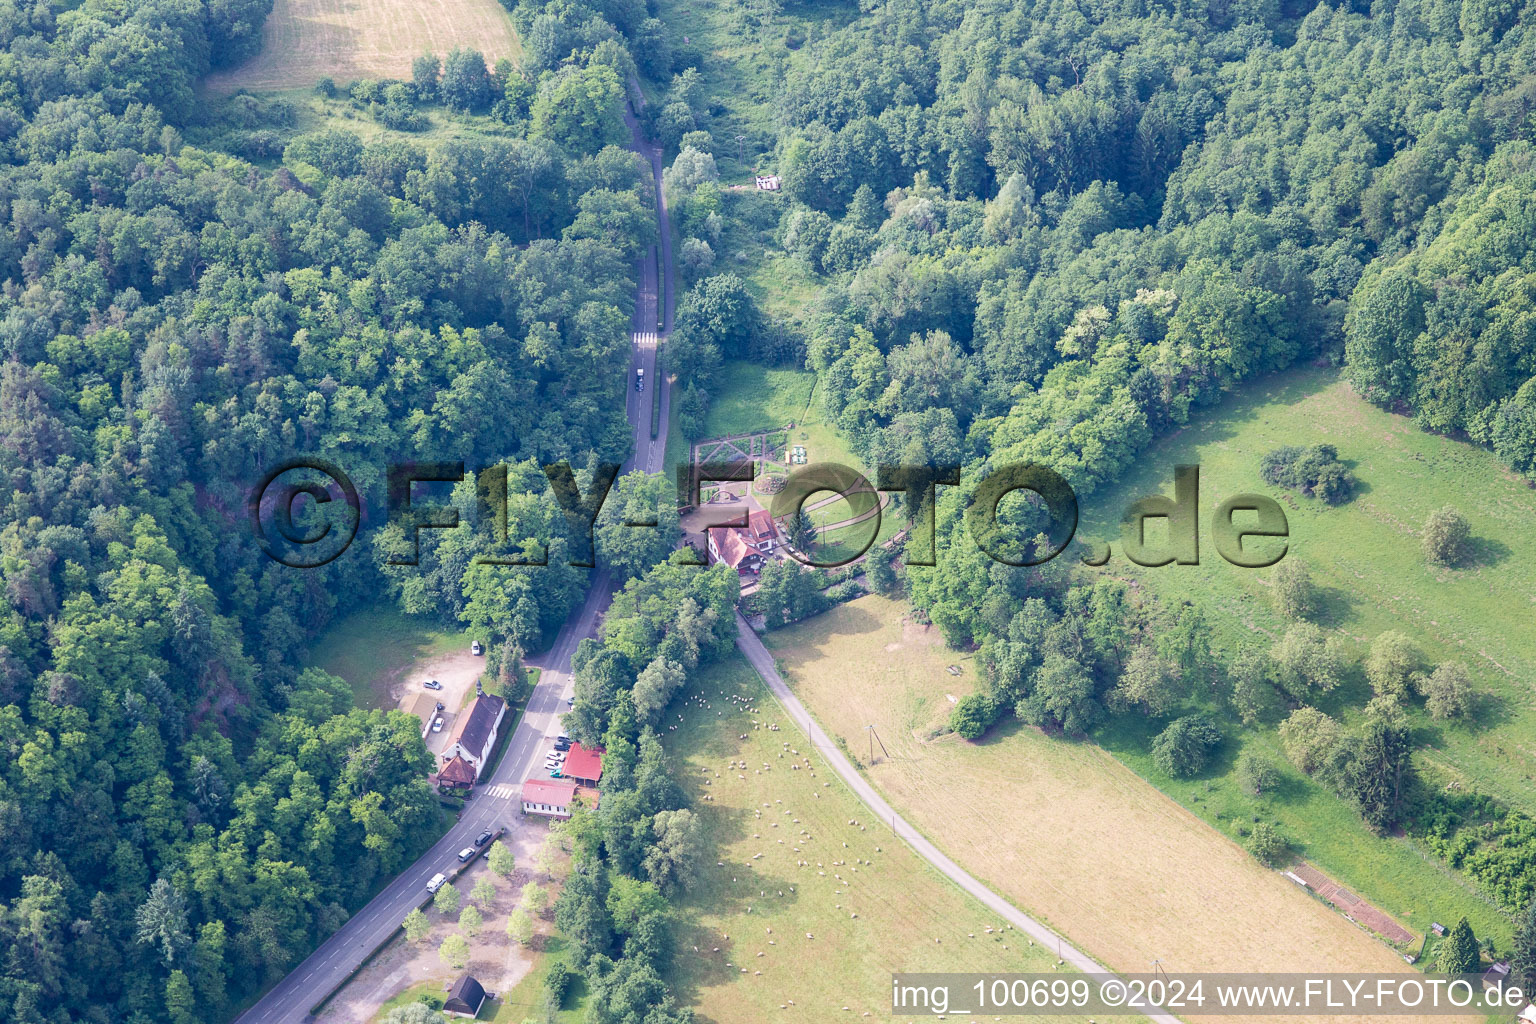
458 773
761 532
583 765
549 797
553 798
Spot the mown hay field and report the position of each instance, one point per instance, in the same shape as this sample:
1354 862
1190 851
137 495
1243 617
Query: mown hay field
1061 828
306 40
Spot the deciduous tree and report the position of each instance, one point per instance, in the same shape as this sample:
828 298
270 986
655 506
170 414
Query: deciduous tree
1446 533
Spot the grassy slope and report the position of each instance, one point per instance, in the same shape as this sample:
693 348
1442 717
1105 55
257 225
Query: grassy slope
749 397
1061 828
368 648
1366 555
901 903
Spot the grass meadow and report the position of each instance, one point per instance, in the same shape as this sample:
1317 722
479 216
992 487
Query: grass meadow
763 819
1061 828
1365 555
748 397
306 40
369 649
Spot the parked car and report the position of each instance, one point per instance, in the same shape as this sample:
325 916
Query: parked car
437 882
432 684
484 837
476 649
562 744
554 773
437 724
558 755
466 853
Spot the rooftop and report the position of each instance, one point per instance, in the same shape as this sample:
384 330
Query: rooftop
555 792
465 996
732 547
583 763
760 525
475 725
457 771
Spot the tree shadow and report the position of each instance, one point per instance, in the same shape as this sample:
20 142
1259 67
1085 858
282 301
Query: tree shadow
1333 606
1483 552
1288 787
1359 486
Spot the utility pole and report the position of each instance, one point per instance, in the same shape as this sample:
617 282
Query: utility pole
874 738
740 143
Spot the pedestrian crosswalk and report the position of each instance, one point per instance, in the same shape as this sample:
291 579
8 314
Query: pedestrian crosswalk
503 790
645 339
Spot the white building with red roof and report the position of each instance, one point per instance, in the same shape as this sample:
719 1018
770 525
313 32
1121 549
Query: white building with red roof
745 548
554 798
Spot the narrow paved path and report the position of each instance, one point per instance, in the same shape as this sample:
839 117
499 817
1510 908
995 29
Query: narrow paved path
761 660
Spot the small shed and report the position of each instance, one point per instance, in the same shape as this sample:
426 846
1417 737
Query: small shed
767 182
465 997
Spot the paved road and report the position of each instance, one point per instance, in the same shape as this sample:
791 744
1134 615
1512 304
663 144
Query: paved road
496 799
653 316
761 660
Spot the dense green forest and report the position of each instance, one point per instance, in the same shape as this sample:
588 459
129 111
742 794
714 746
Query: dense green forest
1052 232
194 291
1039 231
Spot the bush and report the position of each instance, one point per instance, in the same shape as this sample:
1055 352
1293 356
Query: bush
1391 665
1182 749
1445 536
972 715
1295 594
1256 773
845 591
1311 739
1266 843
1314 471
1448 691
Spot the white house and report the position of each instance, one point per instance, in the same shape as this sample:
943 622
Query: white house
474 734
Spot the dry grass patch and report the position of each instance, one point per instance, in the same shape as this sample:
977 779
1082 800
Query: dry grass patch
766 818
1061 828
306 40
